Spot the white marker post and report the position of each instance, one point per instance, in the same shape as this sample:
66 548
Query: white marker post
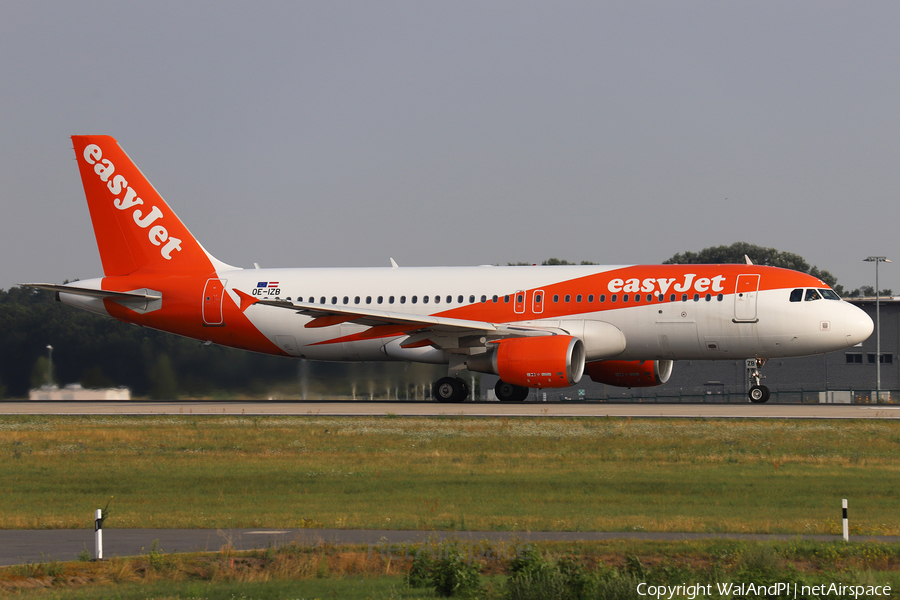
846 522
98 534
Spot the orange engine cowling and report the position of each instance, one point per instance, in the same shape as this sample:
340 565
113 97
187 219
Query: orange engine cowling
538 362
630 373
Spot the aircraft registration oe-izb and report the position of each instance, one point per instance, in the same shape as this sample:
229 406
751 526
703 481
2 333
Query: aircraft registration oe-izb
534 327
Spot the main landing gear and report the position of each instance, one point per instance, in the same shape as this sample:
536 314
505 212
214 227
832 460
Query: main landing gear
454 389
450 389
507 392
758 393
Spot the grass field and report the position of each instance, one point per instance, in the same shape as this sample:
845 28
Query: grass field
600 570
767 476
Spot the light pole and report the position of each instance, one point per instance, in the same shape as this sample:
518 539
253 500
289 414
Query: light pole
49 364
876 260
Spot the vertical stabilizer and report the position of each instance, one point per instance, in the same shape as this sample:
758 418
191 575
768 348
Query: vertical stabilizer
136 230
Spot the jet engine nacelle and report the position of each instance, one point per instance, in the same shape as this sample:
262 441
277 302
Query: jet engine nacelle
552 361
630 373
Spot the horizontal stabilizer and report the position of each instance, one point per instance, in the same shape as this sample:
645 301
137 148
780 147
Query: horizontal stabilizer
67 289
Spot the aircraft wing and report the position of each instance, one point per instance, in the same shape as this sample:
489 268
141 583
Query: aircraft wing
424 330
324 316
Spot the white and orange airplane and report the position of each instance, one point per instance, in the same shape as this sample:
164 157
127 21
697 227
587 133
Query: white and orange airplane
534 327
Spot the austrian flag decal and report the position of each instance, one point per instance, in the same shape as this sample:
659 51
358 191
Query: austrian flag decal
267 288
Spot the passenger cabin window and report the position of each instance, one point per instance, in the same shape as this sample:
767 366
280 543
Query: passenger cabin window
796 295
380 299
812 295
471 299
483 299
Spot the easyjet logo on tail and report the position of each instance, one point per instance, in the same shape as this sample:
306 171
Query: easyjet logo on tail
157 234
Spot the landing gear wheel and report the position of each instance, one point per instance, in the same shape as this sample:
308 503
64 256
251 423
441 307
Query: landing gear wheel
450 389
507 392
759 394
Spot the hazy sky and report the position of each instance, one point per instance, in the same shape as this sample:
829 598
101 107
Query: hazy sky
460 133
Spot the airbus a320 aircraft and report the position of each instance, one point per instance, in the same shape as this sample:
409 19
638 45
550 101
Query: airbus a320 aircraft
534 327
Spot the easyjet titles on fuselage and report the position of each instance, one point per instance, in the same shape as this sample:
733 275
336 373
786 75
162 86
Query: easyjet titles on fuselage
661 285
157 234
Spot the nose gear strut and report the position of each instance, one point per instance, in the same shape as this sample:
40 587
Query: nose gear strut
758 393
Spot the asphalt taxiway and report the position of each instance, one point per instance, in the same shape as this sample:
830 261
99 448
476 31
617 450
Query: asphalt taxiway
32 546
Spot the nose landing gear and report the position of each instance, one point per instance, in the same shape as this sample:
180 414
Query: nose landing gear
758 393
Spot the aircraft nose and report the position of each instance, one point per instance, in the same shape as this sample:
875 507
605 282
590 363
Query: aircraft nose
859 326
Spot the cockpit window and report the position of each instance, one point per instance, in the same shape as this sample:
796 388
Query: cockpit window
796 295
812 294
829 294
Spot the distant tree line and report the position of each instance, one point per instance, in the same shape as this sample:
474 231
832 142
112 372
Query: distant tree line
550 261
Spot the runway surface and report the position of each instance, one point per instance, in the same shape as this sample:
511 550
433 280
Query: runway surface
471 409
27 546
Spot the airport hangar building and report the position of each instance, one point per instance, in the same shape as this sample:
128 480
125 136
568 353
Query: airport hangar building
789 379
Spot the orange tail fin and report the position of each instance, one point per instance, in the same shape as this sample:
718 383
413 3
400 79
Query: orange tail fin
135 228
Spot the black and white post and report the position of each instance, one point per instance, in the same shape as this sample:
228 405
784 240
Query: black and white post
846 522
98 534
